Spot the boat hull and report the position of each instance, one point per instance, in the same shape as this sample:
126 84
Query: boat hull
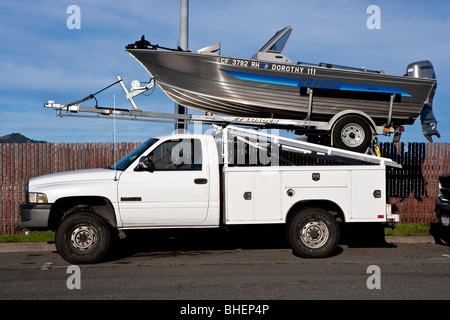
253 88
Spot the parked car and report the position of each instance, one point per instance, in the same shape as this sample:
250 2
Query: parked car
443 207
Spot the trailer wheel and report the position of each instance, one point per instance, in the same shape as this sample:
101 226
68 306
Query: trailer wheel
313 233
83 238
352 133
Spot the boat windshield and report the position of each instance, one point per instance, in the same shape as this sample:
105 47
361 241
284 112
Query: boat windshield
124 163
278 41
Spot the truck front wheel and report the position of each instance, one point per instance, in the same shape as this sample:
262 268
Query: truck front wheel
313 233
83 238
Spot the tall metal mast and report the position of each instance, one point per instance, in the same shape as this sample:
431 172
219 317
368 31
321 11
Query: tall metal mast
184 39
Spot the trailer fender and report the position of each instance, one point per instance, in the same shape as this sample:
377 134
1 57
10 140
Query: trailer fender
364 115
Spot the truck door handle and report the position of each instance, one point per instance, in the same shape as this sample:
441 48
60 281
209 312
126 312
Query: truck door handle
200 181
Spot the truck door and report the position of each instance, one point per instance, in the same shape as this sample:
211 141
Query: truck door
174 191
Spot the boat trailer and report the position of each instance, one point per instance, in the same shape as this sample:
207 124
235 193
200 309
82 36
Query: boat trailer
304 126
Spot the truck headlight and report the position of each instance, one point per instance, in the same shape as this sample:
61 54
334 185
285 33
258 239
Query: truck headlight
37 197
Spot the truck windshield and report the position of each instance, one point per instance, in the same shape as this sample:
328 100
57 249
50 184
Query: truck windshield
123 163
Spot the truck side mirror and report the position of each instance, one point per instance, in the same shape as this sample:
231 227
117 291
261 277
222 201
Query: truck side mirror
145 164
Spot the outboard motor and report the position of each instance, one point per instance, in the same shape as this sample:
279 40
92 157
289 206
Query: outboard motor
421 69
424 69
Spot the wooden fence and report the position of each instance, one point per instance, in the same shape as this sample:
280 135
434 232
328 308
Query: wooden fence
413 189
21 161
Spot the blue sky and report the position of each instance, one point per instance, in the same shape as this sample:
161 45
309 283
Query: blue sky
42 59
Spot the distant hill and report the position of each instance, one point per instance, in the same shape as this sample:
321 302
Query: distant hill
18 138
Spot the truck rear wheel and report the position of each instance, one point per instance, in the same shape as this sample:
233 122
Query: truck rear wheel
352 133
83 238
313 233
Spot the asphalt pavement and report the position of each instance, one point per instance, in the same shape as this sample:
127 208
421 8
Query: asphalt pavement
410 268
44 246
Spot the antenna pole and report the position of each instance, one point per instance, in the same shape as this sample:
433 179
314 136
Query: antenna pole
184 39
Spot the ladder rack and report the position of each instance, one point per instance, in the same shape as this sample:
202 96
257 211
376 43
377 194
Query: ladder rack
301 147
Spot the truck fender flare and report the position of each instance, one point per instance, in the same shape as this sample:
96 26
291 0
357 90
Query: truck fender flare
64 207
324 204
88 208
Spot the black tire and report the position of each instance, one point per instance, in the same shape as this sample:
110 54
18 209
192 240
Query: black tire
444 235
352 133
83 238
313 233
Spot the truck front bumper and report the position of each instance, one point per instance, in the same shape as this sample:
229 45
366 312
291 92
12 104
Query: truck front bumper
35 215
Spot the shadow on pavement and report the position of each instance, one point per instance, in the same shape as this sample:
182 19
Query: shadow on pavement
175 241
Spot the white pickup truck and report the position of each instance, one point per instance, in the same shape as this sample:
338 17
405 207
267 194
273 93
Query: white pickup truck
233 177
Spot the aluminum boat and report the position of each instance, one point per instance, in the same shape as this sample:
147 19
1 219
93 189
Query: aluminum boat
270 85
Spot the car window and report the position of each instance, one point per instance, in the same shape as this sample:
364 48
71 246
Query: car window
180 154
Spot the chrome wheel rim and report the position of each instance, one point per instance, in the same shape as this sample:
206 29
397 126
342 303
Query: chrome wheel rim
84 238
314 234
353 135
